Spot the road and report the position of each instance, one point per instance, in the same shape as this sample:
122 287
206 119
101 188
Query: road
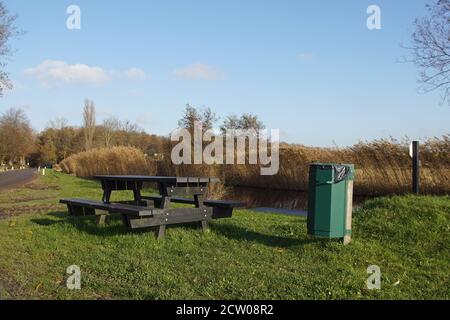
16 178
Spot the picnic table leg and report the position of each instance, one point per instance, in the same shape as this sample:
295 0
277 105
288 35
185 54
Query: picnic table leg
101 217
205 226
106 195
161 232
198 198
165 197
164 204
137 195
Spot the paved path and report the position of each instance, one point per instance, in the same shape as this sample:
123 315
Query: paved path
16 178
282 211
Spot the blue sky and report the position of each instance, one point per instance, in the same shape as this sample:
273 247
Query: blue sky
310 68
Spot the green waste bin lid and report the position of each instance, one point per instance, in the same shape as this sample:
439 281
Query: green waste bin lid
341 171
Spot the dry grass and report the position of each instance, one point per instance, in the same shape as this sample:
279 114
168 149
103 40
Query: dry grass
115 160
382 167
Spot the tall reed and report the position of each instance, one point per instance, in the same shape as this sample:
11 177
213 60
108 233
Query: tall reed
382 167
115 160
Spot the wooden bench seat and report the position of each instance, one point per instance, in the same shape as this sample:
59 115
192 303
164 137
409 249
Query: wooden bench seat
221 208
138 216
83 207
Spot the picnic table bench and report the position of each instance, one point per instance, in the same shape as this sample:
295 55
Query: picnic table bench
154 210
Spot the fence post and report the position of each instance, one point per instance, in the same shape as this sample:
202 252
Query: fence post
415 166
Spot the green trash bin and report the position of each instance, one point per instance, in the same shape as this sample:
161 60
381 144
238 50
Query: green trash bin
330 196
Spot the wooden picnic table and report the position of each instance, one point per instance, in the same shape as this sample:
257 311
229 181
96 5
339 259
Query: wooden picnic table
154 210
167 186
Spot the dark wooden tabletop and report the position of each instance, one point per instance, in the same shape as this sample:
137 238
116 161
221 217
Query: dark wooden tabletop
160 179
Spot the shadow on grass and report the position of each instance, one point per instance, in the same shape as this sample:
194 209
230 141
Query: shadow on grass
115 227
241 234
85 224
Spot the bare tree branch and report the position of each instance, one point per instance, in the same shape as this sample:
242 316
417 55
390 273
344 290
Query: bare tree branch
430 46
7 31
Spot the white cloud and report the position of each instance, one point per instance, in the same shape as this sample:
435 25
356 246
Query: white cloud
52 73
135 74
201 71
305 56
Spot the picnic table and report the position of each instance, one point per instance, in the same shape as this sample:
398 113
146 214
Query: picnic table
154 210
167 186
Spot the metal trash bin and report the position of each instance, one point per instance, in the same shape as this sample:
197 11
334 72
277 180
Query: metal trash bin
330 196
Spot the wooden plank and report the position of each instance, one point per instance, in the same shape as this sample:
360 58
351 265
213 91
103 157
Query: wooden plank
138 223
224 203
115 185
214 180
139 178
220 213
88 207
131 210
209 203
161 179
181 180
185 191
187 218
171 216
86 203
193 180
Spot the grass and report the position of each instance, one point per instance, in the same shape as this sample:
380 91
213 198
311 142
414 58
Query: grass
250 256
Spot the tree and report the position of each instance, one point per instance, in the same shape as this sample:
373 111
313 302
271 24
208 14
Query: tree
110 126
127 133
46 149
16 136
245 122
191 114
430 46
57 124
129 127
89 123
61 136
7 31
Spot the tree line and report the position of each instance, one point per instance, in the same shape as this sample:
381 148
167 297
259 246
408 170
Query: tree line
21 145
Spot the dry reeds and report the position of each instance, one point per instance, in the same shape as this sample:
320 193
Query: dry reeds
382 167
115 160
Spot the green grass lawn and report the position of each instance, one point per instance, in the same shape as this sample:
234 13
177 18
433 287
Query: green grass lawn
250 256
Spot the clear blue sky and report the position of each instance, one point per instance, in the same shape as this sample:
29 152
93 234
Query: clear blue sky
310 68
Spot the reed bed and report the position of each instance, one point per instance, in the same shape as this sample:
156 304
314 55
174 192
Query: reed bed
115 160
383 167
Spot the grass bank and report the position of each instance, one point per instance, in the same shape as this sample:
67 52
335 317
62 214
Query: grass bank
250 256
